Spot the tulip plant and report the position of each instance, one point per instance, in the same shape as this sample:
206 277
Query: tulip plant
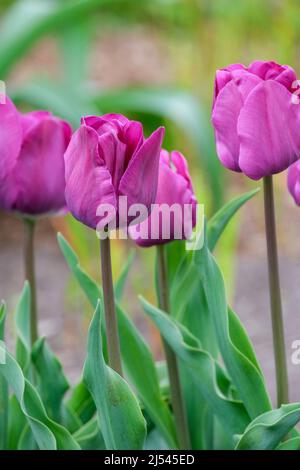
209 392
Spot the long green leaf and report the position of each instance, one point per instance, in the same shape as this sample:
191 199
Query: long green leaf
122 423
52 381
247 378
267 430
89 436
47 434
203 370
22 322
136 354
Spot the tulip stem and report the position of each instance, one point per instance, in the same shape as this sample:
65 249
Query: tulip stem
275 295
112 334
172 365
29 230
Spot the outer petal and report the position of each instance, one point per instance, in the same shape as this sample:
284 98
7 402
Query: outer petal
88 181
294 181
268 128
10 137
139 182
223 76
225 115
37 184
29 120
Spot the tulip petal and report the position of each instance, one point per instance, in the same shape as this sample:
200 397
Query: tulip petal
225 115
283 74
268 129
223 76
174 190
113 151
89 182
10 136
139 182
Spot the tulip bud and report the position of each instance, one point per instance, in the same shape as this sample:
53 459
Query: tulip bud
108 157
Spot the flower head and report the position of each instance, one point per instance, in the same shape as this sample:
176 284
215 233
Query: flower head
255 118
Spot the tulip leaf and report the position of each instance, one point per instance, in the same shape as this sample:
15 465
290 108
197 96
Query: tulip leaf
235 347
81 403
136 354
140 358
47 434
267 430
22 321
89 436
27 441
16 422
122 423
48 367
219 221
205 373
290 444
120 284
4 402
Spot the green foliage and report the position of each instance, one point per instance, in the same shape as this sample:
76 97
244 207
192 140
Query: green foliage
267 430
122 423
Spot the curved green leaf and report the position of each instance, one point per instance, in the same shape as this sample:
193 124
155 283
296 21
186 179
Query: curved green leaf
203 370
238 360
47 434
290 444
267 430
219 221
122 423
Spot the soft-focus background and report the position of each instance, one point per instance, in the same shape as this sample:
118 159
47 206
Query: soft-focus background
153 60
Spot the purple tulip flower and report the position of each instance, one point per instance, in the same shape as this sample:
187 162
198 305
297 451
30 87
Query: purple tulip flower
256 118
109 157
174 190
32 147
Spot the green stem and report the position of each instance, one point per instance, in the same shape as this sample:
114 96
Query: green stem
29 229
275 295
173 371
112 334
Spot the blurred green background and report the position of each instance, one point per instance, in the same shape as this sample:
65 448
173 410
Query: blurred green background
154 61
